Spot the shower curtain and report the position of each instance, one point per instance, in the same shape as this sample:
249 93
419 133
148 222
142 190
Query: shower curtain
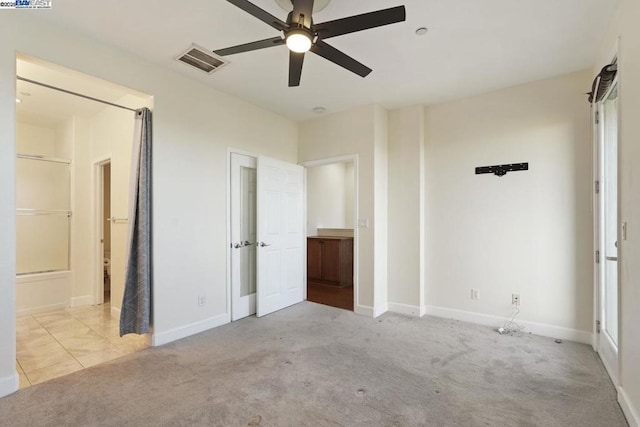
136 305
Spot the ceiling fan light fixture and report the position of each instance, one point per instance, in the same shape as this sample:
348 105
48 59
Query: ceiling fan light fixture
299 40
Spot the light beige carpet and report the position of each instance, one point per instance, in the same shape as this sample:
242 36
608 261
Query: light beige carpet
311 365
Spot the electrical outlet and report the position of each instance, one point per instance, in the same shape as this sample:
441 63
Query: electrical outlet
475 294
515 299
202 300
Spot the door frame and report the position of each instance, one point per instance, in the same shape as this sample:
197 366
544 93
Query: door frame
354 158
598 175
97 229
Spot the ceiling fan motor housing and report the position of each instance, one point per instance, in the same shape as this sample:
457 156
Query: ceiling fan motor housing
301 34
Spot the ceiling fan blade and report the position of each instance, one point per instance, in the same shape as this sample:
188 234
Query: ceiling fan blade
262 15
295 68
365 21
304 8
337 57
261 44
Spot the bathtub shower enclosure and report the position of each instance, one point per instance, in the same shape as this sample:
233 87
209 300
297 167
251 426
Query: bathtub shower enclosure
43 218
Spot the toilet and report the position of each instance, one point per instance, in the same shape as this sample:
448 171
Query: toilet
107 265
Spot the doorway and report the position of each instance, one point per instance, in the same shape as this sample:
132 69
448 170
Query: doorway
266 235
331 202
73 161
608 236
104 211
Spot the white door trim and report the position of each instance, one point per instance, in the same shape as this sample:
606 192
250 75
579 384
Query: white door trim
97 230
356 195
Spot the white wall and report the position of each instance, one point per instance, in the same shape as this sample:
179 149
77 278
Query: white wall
528 232
348 133
79 127
193 126
329 197
107 134
111 137
33 139
8 375
406 210
381 223
625 26
349 194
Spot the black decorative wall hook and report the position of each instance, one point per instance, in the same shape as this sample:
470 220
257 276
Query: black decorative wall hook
502 170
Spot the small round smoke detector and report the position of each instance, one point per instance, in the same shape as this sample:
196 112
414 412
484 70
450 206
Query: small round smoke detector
318 5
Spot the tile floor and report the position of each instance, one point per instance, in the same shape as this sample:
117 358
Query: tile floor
59 343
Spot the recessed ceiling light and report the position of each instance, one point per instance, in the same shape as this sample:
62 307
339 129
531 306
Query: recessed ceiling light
421 31
18 100
319 110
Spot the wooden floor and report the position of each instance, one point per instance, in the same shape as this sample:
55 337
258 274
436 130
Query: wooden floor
334 296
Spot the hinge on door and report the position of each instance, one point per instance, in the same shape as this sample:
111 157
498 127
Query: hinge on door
597 326
597 187
597 117
597 257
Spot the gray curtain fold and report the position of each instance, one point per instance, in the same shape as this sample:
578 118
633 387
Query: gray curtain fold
135 316
602 83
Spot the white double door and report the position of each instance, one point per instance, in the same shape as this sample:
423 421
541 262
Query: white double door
267 235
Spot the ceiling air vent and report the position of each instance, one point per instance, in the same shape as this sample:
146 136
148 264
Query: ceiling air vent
202 59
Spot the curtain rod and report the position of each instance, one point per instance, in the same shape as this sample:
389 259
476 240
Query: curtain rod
74 93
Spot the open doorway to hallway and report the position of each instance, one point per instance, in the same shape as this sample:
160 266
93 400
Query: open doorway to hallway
331 204
63 237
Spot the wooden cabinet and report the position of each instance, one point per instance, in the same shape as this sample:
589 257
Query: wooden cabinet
330 260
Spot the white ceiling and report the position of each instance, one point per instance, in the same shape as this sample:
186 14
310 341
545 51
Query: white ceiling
472 47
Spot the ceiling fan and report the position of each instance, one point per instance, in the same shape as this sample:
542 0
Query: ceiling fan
301 34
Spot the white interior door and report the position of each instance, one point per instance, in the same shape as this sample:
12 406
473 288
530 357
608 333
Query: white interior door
280 278
608 233
243 236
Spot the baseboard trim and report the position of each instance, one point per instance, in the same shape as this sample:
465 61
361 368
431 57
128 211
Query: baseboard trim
627 408
9 385
368 311
161 338
115 312
363 310
42 310
406 309
380 310
496 321
83 300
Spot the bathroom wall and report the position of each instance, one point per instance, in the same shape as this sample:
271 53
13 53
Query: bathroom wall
104 136
330 197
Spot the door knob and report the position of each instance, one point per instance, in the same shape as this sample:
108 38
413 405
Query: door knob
263 244
237 245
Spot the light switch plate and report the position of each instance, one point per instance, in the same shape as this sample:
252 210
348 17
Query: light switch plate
363 223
